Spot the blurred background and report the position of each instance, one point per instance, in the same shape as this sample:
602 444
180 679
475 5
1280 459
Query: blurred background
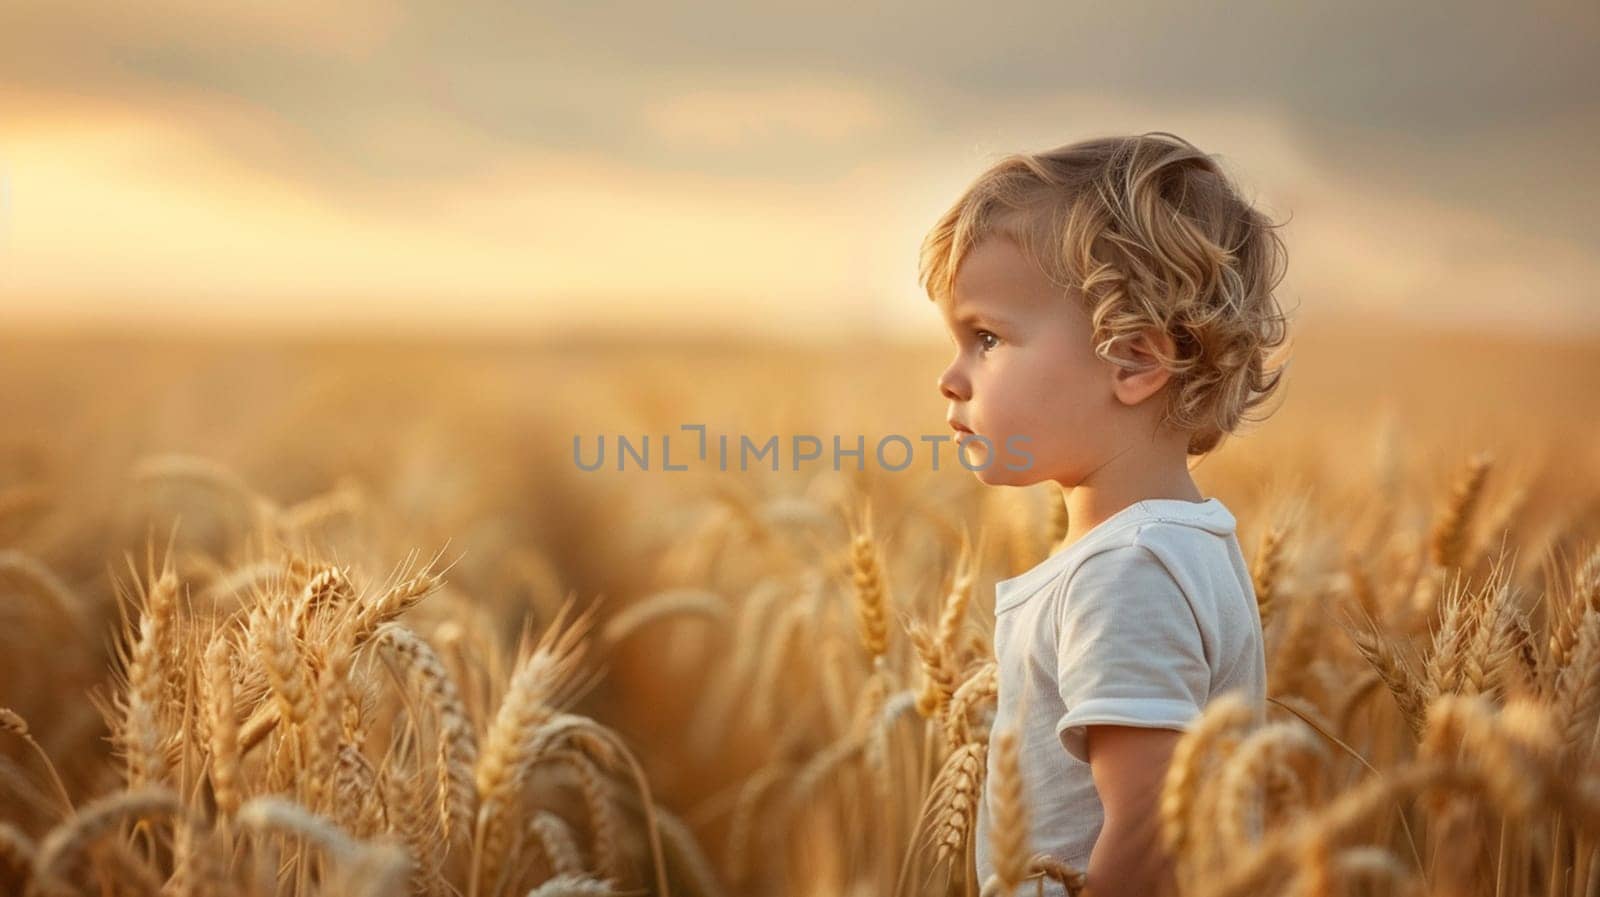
535 182
763 170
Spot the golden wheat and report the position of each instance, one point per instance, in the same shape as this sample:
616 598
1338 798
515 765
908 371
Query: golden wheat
275 706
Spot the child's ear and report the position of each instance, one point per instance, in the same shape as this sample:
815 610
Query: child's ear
1145 378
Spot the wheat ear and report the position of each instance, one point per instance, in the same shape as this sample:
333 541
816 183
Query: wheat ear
1449 536
62 852
457 743
1008 835
1225 713
1267 570
871 598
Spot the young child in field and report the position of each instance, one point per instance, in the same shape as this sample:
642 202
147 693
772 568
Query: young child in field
1112 308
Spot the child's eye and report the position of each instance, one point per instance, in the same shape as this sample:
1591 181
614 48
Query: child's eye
984 338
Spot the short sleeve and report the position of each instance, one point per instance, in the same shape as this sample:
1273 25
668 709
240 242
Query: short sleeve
1128 650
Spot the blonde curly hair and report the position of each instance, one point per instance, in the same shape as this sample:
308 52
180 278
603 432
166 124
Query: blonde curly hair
1149 232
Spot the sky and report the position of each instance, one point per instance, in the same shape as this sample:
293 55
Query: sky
757 168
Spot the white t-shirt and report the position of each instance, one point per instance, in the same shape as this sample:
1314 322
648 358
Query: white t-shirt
1140 622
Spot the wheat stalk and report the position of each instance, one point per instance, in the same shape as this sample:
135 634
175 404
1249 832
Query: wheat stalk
1395 674
1008 832
40 581
224 741
1577 696
980 687
663 606
556 839
1450 531
539 685
1240 807
1267 570
62 853
1565 619
457 743
1223 714
574 886
954 798
871 598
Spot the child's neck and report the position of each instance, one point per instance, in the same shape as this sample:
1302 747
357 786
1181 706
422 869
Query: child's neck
1125 479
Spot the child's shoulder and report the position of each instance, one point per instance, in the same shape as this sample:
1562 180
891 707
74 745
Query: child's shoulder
1169 532
1172 556
1148 543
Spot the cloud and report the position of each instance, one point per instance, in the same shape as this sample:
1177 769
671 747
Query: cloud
769 158
552 241
778 116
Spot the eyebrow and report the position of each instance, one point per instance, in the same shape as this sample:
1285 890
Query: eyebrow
969 315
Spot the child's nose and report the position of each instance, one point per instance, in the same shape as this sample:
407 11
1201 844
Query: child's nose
953 386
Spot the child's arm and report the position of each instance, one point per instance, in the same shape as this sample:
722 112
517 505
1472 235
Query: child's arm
1129 764
1133 673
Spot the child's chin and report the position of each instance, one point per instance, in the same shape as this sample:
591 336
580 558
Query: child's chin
999 475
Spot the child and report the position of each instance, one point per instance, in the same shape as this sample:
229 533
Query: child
1112 308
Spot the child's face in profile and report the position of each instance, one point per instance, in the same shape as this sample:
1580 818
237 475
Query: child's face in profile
1024 371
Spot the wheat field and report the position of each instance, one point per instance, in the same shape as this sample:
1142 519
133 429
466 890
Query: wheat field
324 617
